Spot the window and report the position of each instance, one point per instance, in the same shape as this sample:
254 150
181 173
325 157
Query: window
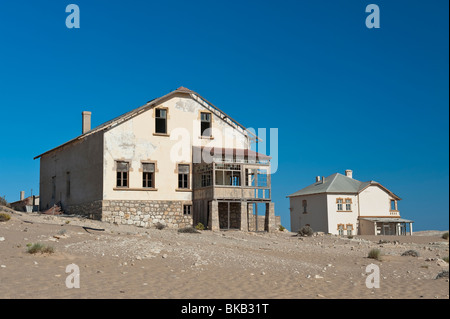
349 230
148 175
187 209
339 202
122 174
68 184
393 204
262 178
228 174
183 175
161 121
341 230
348 204
304 204
206 180
205 122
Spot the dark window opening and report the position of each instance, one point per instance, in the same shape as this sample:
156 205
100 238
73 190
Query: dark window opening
205 119
187 209
161 121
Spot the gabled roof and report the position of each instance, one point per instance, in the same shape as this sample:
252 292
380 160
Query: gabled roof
339 184
124 117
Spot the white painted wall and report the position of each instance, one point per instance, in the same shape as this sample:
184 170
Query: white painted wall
336 217
375 202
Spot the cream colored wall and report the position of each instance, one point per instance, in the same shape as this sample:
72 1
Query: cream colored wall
316 215
134 141
336 217
374 201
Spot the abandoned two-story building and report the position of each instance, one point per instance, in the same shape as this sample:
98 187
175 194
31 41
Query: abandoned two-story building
177 160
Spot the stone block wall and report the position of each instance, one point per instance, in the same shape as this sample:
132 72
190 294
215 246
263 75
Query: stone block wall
146 213
139 213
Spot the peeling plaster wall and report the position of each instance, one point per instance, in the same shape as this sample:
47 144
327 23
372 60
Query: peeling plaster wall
134 141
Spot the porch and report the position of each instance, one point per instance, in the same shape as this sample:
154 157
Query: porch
385 226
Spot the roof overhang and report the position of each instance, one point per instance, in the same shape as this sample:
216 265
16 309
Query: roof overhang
124 117
387 219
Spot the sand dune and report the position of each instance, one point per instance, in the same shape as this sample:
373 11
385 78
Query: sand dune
129 262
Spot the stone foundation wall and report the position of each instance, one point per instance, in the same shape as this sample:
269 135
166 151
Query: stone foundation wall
261 222
92 210
146 213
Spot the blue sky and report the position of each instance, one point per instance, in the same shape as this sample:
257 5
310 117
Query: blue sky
341 95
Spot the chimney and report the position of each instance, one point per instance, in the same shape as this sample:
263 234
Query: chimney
349 173
317 179
86 124
22 195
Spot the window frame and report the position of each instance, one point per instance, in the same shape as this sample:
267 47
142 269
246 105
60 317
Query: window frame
190 209
121 173
186 179
153 175
166 122
340 204
305 205
202 130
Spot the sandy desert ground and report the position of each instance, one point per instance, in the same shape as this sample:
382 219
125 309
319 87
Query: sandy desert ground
129 262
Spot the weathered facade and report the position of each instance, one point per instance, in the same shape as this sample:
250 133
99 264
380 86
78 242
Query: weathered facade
177 160
341 205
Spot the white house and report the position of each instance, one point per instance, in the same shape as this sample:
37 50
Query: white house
341 205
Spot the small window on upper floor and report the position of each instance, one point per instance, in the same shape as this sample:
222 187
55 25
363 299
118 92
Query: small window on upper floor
393 204
305 205
161 121
340 204
205 122
348 204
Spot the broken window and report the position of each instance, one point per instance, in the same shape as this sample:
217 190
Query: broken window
206 180
393 205
304 204
122 174
148 175
228 174
161 121
183 175
205 122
